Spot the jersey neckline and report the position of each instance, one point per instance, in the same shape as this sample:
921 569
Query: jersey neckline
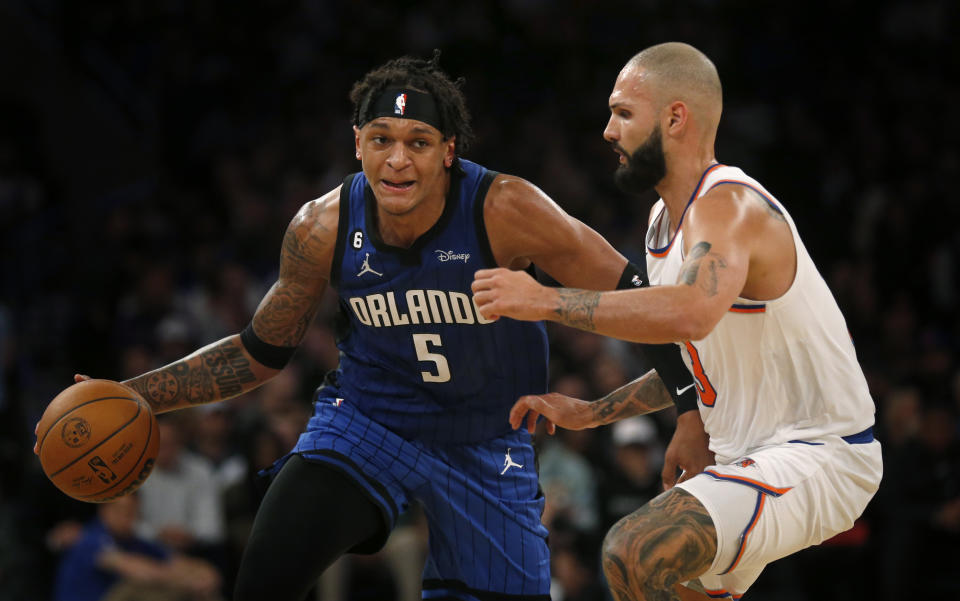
662 252
370 208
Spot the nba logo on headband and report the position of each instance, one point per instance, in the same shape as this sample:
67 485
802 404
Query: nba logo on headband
400 104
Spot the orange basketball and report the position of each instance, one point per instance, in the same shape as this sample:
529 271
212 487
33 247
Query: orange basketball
98 440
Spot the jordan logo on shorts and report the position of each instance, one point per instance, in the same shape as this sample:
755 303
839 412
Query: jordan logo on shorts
365 268
508 463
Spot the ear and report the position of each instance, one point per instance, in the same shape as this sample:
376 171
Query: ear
676 118
356 140
450 154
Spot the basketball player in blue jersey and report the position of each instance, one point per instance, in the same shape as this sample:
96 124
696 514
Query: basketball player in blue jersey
781 394
418 408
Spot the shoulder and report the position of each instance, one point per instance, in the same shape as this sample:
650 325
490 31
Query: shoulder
726 203
311 237
511 197
319 214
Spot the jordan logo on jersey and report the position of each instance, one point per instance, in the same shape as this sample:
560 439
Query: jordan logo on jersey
508 463
365 268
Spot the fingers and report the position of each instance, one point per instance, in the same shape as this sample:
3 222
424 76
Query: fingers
532 421
669 473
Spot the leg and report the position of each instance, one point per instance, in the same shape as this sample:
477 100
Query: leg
669 540
310 516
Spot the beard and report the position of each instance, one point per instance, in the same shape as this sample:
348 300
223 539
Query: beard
644 168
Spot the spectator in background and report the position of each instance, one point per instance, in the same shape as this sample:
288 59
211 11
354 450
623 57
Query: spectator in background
568 480
924 528
212 438
181 504
110 562
633 478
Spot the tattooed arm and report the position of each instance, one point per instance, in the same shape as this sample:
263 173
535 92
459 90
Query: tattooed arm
734 246
225 369
644 395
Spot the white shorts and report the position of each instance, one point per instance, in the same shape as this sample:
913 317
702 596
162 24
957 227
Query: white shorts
779 500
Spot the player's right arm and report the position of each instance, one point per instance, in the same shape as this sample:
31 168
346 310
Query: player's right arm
239 363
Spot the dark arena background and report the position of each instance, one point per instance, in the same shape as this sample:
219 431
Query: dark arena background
152 154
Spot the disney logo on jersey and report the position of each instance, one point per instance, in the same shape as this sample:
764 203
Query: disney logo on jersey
448 255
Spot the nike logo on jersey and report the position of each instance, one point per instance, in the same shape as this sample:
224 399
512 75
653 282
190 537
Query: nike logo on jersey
684 389
365 268
508 463
448 255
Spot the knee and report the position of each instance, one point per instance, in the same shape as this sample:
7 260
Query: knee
624 553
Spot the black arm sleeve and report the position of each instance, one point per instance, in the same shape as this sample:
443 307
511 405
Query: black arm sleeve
665 358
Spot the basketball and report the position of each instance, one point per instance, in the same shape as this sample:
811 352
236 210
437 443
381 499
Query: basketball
98 440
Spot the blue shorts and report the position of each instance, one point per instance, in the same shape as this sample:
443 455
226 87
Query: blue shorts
482 501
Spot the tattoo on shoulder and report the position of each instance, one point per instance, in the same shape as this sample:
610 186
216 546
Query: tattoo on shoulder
576 308
712 262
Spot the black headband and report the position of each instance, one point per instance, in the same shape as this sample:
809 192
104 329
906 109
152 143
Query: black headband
402 103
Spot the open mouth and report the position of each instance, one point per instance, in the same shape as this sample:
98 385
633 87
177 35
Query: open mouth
396 186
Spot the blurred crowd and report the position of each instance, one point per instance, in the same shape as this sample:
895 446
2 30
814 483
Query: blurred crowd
152 154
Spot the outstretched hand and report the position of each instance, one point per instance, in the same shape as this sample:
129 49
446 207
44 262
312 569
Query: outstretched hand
36 443
503 292
557 410
689 450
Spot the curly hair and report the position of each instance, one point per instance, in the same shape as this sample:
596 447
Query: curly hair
425 76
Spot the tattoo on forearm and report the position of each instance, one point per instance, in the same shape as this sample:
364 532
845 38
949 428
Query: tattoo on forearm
576 307
669 540
229 368
219 372
712 262
643 395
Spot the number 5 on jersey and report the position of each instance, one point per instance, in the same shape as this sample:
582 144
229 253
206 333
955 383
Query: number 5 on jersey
421 343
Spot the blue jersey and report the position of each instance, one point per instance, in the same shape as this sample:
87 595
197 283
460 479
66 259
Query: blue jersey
416 355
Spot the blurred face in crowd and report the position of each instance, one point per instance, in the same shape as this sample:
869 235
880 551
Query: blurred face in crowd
634 132
120 516
405 162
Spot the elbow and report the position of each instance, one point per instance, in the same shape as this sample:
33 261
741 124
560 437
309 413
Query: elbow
694 324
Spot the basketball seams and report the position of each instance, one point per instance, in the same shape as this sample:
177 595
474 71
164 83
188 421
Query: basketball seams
74 408
136 465
106 438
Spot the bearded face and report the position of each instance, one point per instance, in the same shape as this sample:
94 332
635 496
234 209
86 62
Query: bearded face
644 168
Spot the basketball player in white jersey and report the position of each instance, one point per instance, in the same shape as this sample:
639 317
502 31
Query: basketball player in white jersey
781 394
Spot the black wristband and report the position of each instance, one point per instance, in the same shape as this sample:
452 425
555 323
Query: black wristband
269 355
665 358
633 276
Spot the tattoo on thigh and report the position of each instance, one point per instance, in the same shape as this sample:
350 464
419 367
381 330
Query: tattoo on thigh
667 541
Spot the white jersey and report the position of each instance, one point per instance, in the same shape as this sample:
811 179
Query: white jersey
771 371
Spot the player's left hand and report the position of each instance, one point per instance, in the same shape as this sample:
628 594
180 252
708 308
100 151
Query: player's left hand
557 409
503 292
689 450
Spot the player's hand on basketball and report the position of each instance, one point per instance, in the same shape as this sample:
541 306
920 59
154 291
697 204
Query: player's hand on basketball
36 428
503 292
689 450
557 409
